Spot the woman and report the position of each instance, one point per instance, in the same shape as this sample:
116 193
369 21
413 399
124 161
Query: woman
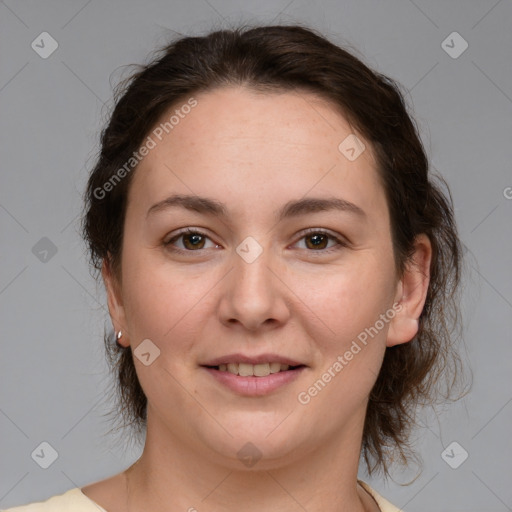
280 269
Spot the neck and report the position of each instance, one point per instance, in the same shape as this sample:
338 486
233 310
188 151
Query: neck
171 475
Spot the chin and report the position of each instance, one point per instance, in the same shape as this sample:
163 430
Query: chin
255 443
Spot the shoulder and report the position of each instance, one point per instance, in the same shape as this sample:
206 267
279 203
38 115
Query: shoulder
383 503
73 500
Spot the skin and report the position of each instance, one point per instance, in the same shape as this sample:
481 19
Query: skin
254 153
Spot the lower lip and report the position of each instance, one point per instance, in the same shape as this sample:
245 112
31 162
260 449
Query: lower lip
254 386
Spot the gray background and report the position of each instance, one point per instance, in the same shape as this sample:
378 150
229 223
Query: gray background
53 374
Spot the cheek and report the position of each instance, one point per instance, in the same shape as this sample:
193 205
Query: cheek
159 301
343 303
165 307
349 350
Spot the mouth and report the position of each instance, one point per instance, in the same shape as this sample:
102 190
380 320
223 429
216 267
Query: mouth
254 370
253 377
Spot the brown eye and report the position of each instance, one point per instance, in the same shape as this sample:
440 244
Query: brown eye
189 241
193 241
318 241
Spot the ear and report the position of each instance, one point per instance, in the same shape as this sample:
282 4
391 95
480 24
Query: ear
114 300
411 294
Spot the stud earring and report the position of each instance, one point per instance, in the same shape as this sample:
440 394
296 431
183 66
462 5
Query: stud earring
118 337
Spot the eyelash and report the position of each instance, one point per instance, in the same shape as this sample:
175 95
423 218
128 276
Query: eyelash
312 231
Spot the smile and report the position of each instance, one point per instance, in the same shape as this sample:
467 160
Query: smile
254 380
256 370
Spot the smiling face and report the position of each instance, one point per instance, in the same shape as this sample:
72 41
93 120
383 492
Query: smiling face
289 259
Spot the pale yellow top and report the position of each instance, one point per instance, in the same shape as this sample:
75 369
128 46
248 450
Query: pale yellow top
75 500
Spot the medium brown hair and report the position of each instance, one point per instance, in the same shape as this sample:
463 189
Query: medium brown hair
296 58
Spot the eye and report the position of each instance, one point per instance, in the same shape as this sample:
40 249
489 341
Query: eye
192 240
318 239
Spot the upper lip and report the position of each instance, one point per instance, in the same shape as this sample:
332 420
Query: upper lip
259 359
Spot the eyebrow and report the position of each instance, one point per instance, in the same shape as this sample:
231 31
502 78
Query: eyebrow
291 209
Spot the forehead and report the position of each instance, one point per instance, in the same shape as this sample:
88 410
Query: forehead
237 138
285 117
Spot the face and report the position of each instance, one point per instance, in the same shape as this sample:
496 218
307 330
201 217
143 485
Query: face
287 259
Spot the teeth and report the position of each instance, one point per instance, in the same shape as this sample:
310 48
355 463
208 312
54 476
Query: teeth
258 370
262 370
275 367
245 370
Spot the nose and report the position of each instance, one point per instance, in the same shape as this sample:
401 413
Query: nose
254 295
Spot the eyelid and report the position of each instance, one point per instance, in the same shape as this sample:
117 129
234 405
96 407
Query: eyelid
324 231
186 231
340 240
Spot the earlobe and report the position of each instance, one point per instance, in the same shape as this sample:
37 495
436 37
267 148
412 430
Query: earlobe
402 329
411 294
114 300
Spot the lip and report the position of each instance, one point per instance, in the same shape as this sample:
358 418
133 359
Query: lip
261 358
254 386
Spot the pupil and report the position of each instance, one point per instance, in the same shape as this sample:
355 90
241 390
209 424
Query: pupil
317 240
193 239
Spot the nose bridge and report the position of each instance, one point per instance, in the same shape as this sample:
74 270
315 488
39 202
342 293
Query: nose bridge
255 294
252 271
